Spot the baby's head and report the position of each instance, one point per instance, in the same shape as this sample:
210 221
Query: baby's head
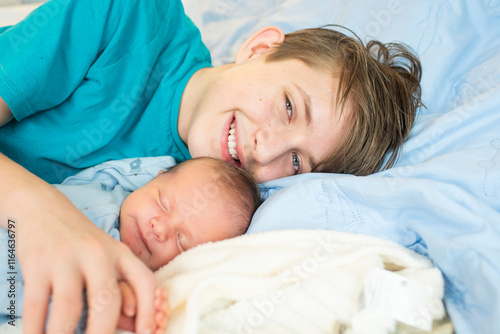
380 85
197 201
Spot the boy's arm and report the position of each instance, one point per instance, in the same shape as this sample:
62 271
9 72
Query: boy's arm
61 252
5 113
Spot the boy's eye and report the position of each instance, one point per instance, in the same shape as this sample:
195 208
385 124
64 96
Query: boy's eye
296 162
289 108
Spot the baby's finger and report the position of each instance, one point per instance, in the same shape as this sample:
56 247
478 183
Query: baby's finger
161 301
126 323
129 304
162 307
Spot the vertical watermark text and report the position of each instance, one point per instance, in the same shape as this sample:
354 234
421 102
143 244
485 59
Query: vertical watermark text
11 272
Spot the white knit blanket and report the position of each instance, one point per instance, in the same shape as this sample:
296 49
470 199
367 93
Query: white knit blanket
301 281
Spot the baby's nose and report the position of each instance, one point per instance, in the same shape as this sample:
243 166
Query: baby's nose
160 229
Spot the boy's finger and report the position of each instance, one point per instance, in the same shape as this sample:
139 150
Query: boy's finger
104 303
143 283
67 302
36 301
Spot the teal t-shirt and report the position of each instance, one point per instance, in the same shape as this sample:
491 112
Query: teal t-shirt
96 80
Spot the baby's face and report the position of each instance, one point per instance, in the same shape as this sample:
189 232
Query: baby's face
175 212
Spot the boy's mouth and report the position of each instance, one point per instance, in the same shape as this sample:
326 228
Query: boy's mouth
231 142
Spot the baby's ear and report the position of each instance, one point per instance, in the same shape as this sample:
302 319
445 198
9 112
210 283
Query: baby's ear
160 172
260 43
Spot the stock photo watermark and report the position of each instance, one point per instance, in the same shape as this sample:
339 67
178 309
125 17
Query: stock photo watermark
122 108
12 293
363 292
291 282
32 28
97 304
11 273
382 18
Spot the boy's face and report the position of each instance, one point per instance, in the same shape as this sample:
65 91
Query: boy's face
284 114
175 212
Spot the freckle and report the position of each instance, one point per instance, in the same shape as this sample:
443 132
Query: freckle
260 100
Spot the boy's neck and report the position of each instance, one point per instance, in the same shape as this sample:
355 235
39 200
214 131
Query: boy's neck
193 95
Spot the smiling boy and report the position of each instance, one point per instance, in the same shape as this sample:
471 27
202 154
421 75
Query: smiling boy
284 113
105 80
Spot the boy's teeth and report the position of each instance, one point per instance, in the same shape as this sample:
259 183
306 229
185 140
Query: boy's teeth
231 143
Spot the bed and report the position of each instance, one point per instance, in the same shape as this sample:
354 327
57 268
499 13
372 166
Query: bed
433 220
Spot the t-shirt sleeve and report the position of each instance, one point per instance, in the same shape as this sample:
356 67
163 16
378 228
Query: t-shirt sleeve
46 56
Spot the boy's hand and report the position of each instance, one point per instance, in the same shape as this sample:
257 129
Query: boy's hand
129 305
61 253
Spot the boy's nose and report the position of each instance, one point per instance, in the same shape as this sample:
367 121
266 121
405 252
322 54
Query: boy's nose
270 144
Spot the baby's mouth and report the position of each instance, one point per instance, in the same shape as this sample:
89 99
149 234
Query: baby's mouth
231 143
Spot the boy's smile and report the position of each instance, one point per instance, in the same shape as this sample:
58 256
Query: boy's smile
230 150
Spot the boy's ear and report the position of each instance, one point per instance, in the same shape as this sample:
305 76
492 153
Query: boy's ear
260 42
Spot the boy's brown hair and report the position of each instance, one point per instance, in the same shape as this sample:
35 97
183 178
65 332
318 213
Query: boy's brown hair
380 82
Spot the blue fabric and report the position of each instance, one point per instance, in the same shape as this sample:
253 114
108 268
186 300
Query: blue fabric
442 199
2 29
130 174
95 80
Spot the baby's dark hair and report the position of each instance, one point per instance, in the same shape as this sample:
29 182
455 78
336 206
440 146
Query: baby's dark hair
380 83
242 187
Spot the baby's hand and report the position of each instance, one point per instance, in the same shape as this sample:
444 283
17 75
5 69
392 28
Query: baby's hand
162 310
129 308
